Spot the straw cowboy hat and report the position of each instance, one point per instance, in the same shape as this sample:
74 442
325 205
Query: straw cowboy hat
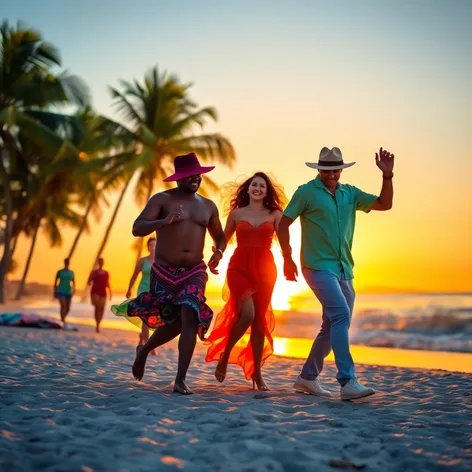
186 166
330 159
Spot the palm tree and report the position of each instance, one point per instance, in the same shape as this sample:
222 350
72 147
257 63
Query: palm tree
70 179
103 148
164 122
27 88
52 193
52 217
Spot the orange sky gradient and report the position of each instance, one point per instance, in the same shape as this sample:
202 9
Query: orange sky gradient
422 244
357 75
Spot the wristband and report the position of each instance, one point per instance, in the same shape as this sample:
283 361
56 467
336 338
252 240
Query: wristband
387 177
218 250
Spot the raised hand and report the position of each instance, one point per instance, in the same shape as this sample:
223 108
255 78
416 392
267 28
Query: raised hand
385 161
174 215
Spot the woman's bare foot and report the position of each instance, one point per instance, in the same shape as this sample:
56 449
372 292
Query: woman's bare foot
139 364
258 381
220 371
180 387
153 352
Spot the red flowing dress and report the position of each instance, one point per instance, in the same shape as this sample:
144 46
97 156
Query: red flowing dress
251 273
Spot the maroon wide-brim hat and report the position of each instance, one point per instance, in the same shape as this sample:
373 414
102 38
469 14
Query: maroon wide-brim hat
187 166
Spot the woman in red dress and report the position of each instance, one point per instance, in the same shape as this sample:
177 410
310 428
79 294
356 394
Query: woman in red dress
255 211
100 281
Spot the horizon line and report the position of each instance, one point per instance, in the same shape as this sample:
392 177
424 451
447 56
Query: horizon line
307 292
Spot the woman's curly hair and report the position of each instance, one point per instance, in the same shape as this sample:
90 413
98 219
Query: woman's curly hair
236 195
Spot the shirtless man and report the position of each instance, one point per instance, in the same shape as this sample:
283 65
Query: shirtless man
176 301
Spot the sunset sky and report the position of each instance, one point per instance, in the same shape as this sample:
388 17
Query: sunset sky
287 78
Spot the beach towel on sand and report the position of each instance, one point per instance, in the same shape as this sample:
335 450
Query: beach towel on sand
28 321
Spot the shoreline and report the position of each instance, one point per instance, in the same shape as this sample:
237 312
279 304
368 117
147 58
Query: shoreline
38 290
298 349
461 362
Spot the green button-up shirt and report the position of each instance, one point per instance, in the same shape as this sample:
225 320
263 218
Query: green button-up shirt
328 223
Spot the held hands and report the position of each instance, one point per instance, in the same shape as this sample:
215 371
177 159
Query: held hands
290 269
385 161
175 215
214 261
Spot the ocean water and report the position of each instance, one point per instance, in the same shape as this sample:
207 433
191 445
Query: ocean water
433 322
427 322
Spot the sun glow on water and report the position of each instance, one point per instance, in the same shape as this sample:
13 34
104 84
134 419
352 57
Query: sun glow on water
283 290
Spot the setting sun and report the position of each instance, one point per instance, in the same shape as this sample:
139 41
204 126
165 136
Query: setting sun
283 290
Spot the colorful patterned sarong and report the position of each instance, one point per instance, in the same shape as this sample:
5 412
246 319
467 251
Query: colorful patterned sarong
171 287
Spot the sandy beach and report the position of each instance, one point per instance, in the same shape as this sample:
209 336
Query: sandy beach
69 402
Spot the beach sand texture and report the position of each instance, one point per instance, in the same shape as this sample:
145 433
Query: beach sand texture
69 402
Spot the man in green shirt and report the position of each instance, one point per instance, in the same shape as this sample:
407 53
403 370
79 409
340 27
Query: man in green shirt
327 211
64 288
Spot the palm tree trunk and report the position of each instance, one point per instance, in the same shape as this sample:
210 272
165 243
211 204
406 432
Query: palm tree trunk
7 253
13 246
16 230
139 248
81 229
107 233
21 287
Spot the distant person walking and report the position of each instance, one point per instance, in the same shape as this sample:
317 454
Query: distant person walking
327 210
99 279
143 266
64 289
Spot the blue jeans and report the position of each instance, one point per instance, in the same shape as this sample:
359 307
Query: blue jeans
336 296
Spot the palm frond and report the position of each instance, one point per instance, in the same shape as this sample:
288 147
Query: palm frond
75 89
199 117
209 147
67 126
41 135
125 107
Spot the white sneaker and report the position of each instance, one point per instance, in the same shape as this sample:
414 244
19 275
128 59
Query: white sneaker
312 387
354 390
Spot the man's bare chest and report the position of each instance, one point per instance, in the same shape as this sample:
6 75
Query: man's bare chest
192 212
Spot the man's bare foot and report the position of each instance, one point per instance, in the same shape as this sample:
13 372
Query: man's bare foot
139 364
220 371
180 387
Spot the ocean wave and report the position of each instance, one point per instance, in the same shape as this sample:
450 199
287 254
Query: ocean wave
431 321
433 328
422 342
